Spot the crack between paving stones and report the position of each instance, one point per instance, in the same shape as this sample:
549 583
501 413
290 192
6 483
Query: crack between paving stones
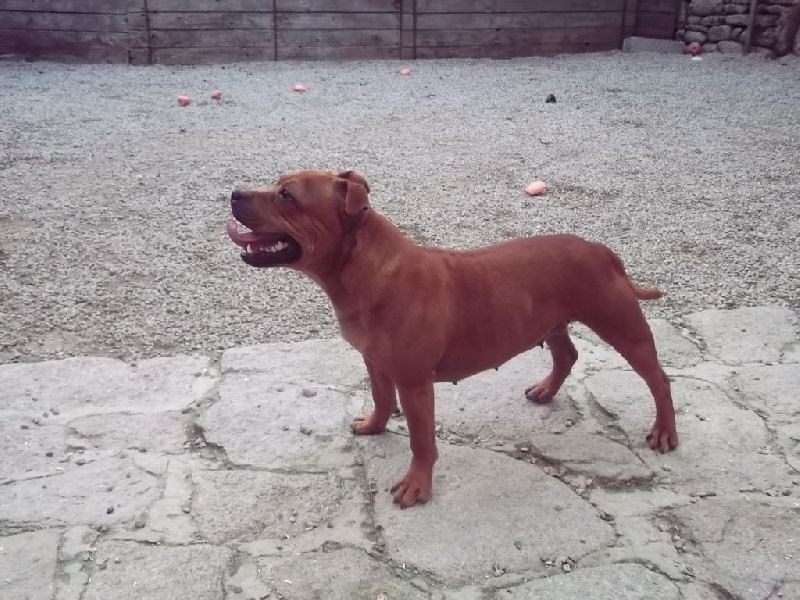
694 337
650 566
34 477
233 565
593 405
373 531
8 528
89 569
721 592
162 544
60 563
369 526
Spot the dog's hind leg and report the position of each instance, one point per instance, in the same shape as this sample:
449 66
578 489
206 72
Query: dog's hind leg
564 357
624 327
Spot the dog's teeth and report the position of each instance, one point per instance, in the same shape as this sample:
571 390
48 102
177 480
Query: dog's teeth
249 249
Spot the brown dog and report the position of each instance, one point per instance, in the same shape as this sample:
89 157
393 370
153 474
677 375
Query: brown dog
419 315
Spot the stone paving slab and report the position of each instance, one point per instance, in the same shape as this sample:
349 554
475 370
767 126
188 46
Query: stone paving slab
749 543
179 478
336 574
127 570
526 516
597 583
28 564
746 335
260 423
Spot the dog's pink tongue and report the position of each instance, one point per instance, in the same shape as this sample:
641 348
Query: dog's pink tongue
240 238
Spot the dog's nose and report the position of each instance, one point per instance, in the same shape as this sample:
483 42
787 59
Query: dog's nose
237 195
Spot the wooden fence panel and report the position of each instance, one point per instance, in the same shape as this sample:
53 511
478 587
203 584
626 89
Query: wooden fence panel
220 38
328 20
340 6
515 51
508 28
209 31
78 30
364 29
74 6
211 20
79 46
209 5
656 18
204 31
210 55
49 21
511 21
515 6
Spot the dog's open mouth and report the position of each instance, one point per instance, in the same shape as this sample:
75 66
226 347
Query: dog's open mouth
263 249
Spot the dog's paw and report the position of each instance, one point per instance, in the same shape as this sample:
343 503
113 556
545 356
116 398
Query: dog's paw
662 438
415 488
367 425
541 392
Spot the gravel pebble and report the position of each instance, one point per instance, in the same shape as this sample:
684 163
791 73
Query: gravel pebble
701 206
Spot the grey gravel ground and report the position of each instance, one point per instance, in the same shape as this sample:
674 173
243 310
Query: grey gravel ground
113 197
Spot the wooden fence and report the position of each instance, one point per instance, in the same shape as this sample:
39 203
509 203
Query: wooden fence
212 31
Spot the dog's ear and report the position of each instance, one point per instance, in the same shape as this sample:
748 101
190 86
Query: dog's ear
356 199
355 178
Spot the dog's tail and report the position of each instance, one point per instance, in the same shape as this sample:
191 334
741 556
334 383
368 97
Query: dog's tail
641 293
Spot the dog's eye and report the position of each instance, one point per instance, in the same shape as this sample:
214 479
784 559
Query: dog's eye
284 195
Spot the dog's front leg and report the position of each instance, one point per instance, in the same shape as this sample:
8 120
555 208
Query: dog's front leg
417 403
384 397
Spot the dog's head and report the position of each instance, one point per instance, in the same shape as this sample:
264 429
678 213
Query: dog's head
300 221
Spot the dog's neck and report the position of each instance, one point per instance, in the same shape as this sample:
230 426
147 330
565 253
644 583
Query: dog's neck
372 253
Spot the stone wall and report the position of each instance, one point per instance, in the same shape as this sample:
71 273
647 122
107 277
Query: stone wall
721 25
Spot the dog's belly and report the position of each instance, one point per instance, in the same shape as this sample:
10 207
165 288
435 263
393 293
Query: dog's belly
460 363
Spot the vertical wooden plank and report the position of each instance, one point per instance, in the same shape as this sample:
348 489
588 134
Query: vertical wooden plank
406 9
275 30
138 20
149 35
414 7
